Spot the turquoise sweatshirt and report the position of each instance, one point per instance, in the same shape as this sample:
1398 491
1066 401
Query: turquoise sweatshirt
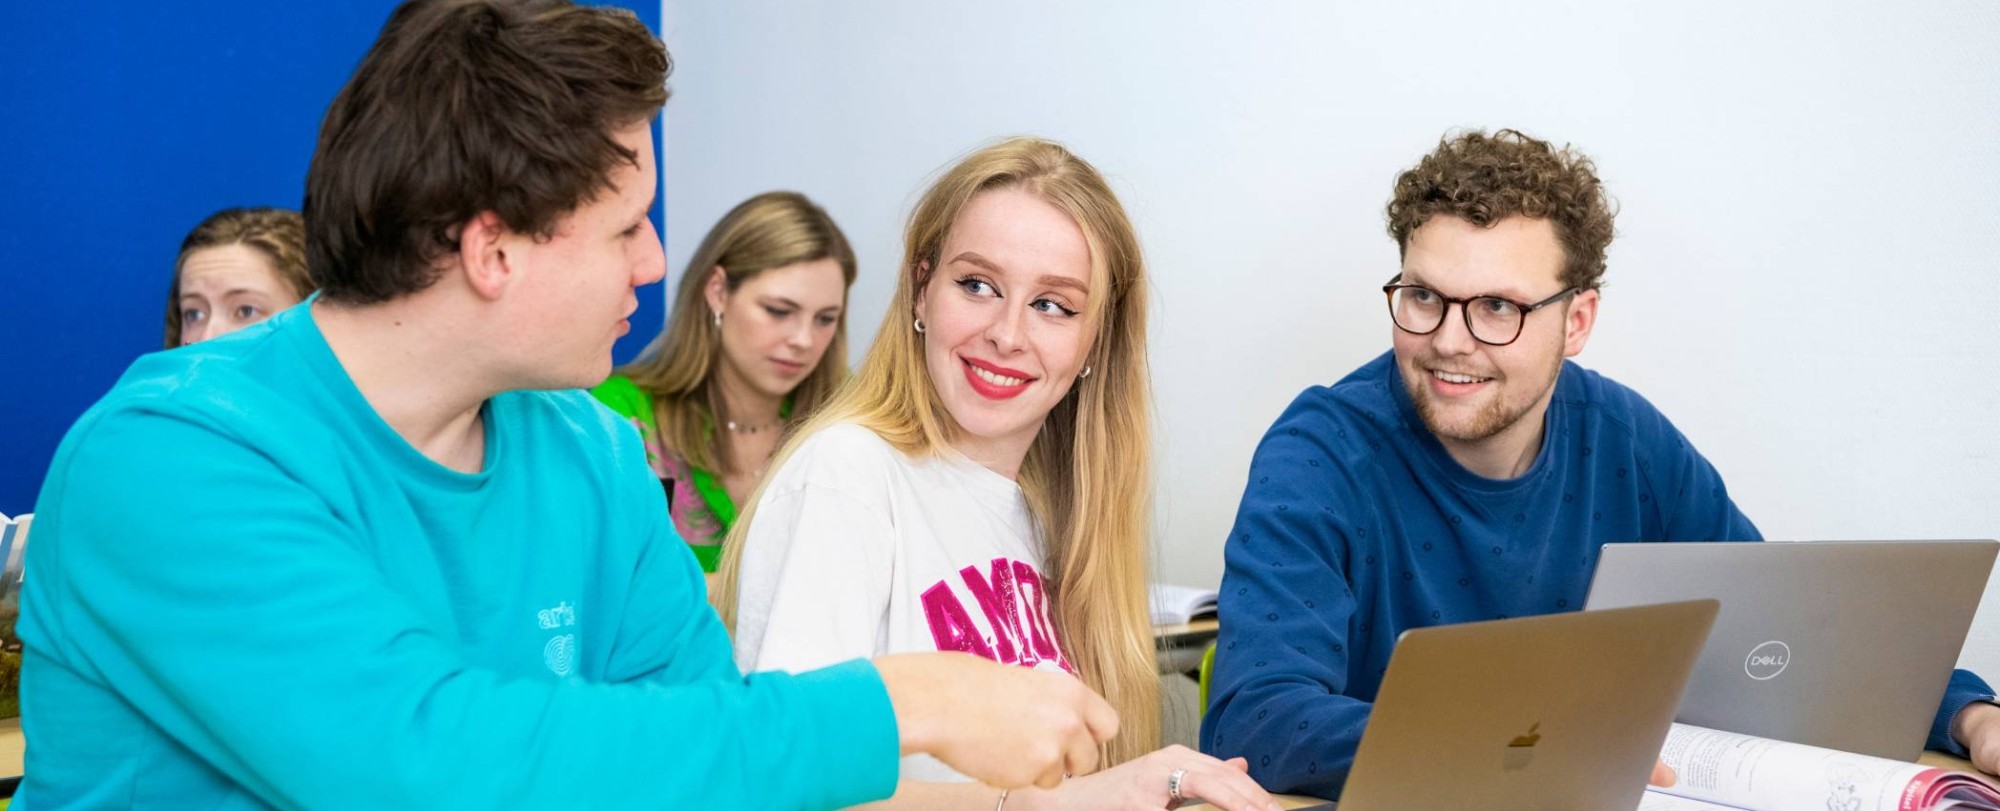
248 591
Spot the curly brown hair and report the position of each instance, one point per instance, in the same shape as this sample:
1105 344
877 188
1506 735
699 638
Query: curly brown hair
279 234
1484 179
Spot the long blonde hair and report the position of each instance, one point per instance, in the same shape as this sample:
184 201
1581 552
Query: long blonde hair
1087 476
772 230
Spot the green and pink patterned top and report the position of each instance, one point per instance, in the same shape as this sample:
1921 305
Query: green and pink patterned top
700 506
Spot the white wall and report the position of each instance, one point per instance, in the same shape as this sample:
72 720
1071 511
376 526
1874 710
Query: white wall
1804 278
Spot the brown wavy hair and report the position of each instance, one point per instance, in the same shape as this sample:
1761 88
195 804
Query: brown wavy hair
467 106
1484 179
276 233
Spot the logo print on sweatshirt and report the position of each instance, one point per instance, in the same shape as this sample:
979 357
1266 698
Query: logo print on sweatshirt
559 653
1016 608
552 618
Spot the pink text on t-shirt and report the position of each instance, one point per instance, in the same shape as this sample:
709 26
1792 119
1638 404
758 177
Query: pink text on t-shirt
1011 597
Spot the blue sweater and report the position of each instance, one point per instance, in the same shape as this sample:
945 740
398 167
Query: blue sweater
249 592
1357 525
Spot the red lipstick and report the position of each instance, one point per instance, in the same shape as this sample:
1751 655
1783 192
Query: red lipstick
989 389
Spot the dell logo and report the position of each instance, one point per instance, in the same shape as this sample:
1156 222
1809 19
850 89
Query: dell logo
1766 661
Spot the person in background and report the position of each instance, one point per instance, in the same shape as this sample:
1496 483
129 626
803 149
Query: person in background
757 339
981 485
1470 473
235 269
382 553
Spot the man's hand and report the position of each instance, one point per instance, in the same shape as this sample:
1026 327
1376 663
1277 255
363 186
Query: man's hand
1663 775
1977 728
1006 727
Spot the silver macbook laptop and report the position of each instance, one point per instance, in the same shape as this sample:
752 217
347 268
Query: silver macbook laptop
1566 711
1845 645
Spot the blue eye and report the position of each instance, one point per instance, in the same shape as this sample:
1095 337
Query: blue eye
977 287
246 312
192 316
1057 308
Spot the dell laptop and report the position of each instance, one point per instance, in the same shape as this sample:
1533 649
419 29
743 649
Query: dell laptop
1842 645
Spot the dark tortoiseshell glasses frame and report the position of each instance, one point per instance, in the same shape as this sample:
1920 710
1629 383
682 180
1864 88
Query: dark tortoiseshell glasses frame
1465 310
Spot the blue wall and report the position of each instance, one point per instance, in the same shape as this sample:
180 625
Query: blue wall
124 125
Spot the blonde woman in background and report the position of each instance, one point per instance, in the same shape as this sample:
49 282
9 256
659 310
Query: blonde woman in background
981 485
757 338
236 268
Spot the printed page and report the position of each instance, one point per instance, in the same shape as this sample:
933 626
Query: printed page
1766 775
1654 800
1967 794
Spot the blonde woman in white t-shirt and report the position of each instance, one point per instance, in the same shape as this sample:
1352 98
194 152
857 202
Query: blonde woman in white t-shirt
981 484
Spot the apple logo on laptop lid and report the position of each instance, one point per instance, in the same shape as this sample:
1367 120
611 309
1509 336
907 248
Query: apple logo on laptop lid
1521 750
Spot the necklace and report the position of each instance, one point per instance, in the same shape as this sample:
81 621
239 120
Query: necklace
740 428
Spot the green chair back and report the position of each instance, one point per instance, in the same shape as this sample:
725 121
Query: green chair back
1207 667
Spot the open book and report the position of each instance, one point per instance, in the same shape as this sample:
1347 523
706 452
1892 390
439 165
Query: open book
1175 605
1732 771
13 541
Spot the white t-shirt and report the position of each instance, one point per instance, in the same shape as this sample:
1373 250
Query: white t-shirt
857 550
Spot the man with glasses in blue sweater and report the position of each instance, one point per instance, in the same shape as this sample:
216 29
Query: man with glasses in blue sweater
1471 473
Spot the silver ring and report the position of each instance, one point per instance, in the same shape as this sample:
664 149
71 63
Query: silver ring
1174 779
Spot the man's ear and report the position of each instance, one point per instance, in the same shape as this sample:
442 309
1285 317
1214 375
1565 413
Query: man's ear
482 254
1581 319
716 290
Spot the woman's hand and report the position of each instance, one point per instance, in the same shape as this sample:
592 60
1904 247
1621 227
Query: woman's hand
1143 784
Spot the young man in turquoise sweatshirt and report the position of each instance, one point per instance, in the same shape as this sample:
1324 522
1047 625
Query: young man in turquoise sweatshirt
377 552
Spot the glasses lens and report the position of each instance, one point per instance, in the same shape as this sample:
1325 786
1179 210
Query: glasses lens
1494 320
1416 309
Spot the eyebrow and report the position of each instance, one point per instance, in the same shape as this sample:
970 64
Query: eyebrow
647 211
1047 280
240 291
1515 295
976 259
1052 280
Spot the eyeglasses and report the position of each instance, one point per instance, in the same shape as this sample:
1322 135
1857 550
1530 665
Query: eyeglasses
1492 320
